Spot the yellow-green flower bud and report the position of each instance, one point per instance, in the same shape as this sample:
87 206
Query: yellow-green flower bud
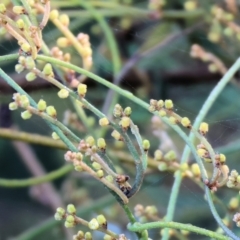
222 158
213 68
96 166
51 111
47 70
185 122
233 204
55 136
80 235
127 111
170 156
82 89
54 14
88 236
70 219
69 224
103 122
101 143
71 209
13 106
146 145
63 93
58 217
102 220
158 155
110 178
183 167
24 101
79 156
30 63
151 108
19 10
107 237
151 210
100 173
20 24
116 135
93 224
90 140
202 153
2 8
190 5
162 113
125 122
203 129
117 111
63 42
168 104
61 211
195 170
238 179
26 47
153 102
162 166
173 120
42 105
31 76
160 104
78 168
19 68
26 115
64 19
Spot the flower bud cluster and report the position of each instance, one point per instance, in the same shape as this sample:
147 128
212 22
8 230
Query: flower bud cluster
146 213
233 179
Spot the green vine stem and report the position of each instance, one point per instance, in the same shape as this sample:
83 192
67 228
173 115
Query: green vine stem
19 183
186 153
175 225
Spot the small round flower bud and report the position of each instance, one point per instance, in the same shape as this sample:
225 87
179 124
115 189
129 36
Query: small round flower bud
162 113
153 102
151 108
70 219
162 166
13 106
173 120
51 111
100 173
183 167
127 111
146 145
26 47
125 122
88 236
90 140
80 235
82 89
170 156
101 143
107 237
63 42
19 68
158 155
61 211
69 224
24 101
160 104
93 224
190 5
63 93
96 166
64 19
54 14
151 210
71 209
30 63
110 178
42 105
19 10
58 217
202 153
233 204
203 129
212 67
116 135
102 220
117 111
31 76
2 8
47 70
222 158
168 104
186 122
103 122
20 24
238 179
26 115
78 168
195 170
55 136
